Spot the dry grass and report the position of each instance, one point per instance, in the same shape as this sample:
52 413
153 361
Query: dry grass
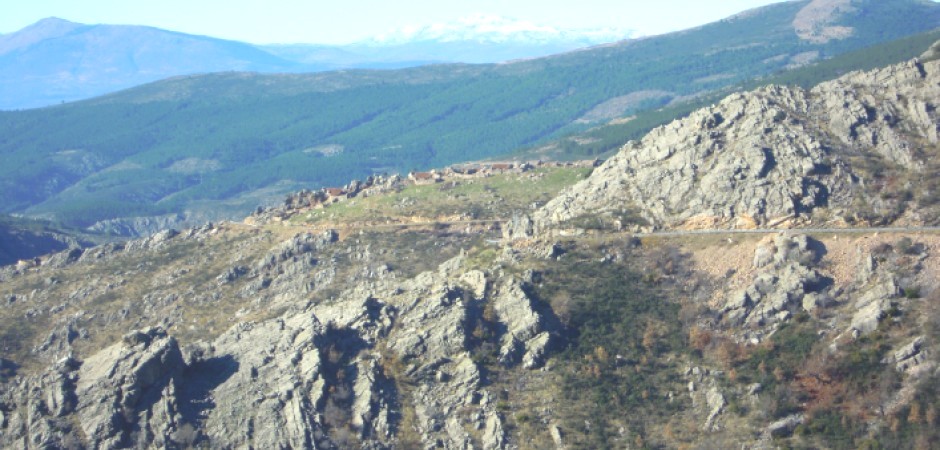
489 198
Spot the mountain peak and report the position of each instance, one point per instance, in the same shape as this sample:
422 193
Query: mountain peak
489 28
48 28
54 21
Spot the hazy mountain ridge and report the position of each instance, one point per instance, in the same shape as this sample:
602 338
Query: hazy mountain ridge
44 29
56 61
62 61
162 54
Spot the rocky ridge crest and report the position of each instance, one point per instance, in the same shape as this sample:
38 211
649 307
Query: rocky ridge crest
760 159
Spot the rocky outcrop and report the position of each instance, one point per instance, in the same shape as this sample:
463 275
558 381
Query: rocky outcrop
527 336
882 110
432 333
909 356
708 402
260 385
284 271
122 395
884 285
294 249
129 389
766 157
715 403
275 336
519 227
784 283
873 304
785 426
58 343
320 376
38 415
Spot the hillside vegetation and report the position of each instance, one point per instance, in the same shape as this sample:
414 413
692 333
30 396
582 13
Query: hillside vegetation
185 144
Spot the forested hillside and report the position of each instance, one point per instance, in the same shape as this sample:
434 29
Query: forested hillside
602 140
185 144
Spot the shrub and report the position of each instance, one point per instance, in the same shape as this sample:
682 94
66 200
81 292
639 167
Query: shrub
905 246
620 326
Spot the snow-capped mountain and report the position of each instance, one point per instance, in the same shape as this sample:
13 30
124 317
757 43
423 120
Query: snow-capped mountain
480 38
492 29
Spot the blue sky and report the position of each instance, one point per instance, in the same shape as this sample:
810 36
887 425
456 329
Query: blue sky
334 22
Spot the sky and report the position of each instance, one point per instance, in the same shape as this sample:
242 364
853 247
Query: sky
347 21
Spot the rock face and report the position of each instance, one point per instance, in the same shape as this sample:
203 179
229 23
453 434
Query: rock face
129 388
707 399
785 426
872 305
757 159
320 376
887 111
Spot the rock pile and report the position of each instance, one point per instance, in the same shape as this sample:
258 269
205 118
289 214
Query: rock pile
785 282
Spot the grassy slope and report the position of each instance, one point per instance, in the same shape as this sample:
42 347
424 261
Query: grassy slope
490 198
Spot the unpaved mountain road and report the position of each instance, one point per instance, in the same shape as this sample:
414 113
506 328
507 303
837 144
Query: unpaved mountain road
864 230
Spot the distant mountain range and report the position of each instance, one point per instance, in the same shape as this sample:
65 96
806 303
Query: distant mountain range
496 29
217 145
55 61
475 39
